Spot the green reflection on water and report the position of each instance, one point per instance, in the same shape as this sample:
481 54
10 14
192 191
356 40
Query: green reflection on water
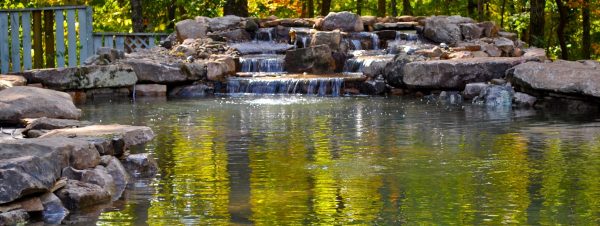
363 162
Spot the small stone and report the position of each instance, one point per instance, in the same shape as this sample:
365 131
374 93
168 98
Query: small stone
77 195
524 100
473 89
141 165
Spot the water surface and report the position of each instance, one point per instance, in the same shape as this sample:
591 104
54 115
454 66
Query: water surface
292 160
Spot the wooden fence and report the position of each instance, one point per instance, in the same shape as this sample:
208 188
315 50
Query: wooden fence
50 47
128 42
57 37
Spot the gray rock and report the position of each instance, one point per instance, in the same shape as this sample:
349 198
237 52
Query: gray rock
195 90
141 165
491 50
490 29
450 97
119 175
563 77
237 35
506 45
474 89
219 69
191 29
14 217
44 123
84 77
150 71
7 81
395 26
508 35
77 195
496 96
373 87
315 59
344 21
130 135
30 102
150 90
393 72
195 70
106 145
54 211
225 23
100 176
30 166
329 38
471 31
444 29
524 100
455 74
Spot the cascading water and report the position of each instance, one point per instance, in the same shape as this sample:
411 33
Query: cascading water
262 63
322 86
356 44
375 41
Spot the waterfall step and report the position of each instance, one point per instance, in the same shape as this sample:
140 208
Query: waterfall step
322 85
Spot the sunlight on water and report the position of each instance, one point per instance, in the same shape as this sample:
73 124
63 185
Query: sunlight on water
304 160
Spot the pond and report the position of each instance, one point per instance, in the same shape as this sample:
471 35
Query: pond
290 160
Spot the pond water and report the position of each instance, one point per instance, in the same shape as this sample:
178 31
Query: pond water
290 160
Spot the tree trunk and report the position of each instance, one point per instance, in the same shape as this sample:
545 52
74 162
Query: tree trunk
359 7
480 12
502 13
325 7
137 18
381 8
587 45
311 9
560 31
236 7
536 23
394 8
171 14
471 6
406 7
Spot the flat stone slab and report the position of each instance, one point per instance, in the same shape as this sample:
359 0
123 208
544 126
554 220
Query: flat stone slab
564 77
129 135
456 73
85 77
21 102
29 166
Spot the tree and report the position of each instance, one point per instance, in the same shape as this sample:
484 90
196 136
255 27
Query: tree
325 7
586 45
359 7
394 8
536 23
311 9
380 8
236 7
406 8
560 31
137 18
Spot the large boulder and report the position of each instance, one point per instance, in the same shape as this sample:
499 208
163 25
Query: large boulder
563 77
393 71
445 28
129 135
236 35
156 72
54 211
194 90
84 77
7 81
119 175
43 124
225 23
455 74
29 102
329 38
76 195
191 28
218 69
31 166
344 21
315 59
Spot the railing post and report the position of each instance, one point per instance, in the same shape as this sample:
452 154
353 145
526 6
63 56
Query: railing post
71 38
60 38
4 59
15 48
90 31
26 21
83 29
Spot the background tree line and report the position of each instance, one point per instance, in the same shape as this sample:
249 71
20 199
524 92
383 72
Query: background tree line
568 29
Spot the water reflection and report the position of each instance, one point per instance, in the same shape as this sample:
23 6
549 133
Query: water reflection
282 160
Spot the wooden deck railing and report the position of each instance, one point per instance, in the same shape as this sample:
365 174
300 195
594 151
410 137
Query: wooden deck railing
50 47
128 42
57 37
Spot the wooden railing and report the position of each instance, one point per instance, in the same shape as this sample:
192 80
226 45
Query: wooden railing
50 47
128 42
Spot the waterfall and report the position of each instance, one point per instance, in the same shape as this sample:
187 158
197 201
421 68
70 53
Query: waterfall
375 41
304 41
262 63
323 86
356 44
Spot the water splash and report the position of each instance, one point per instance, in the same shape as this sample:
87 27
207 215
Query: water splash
323 86
375 41
262 63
